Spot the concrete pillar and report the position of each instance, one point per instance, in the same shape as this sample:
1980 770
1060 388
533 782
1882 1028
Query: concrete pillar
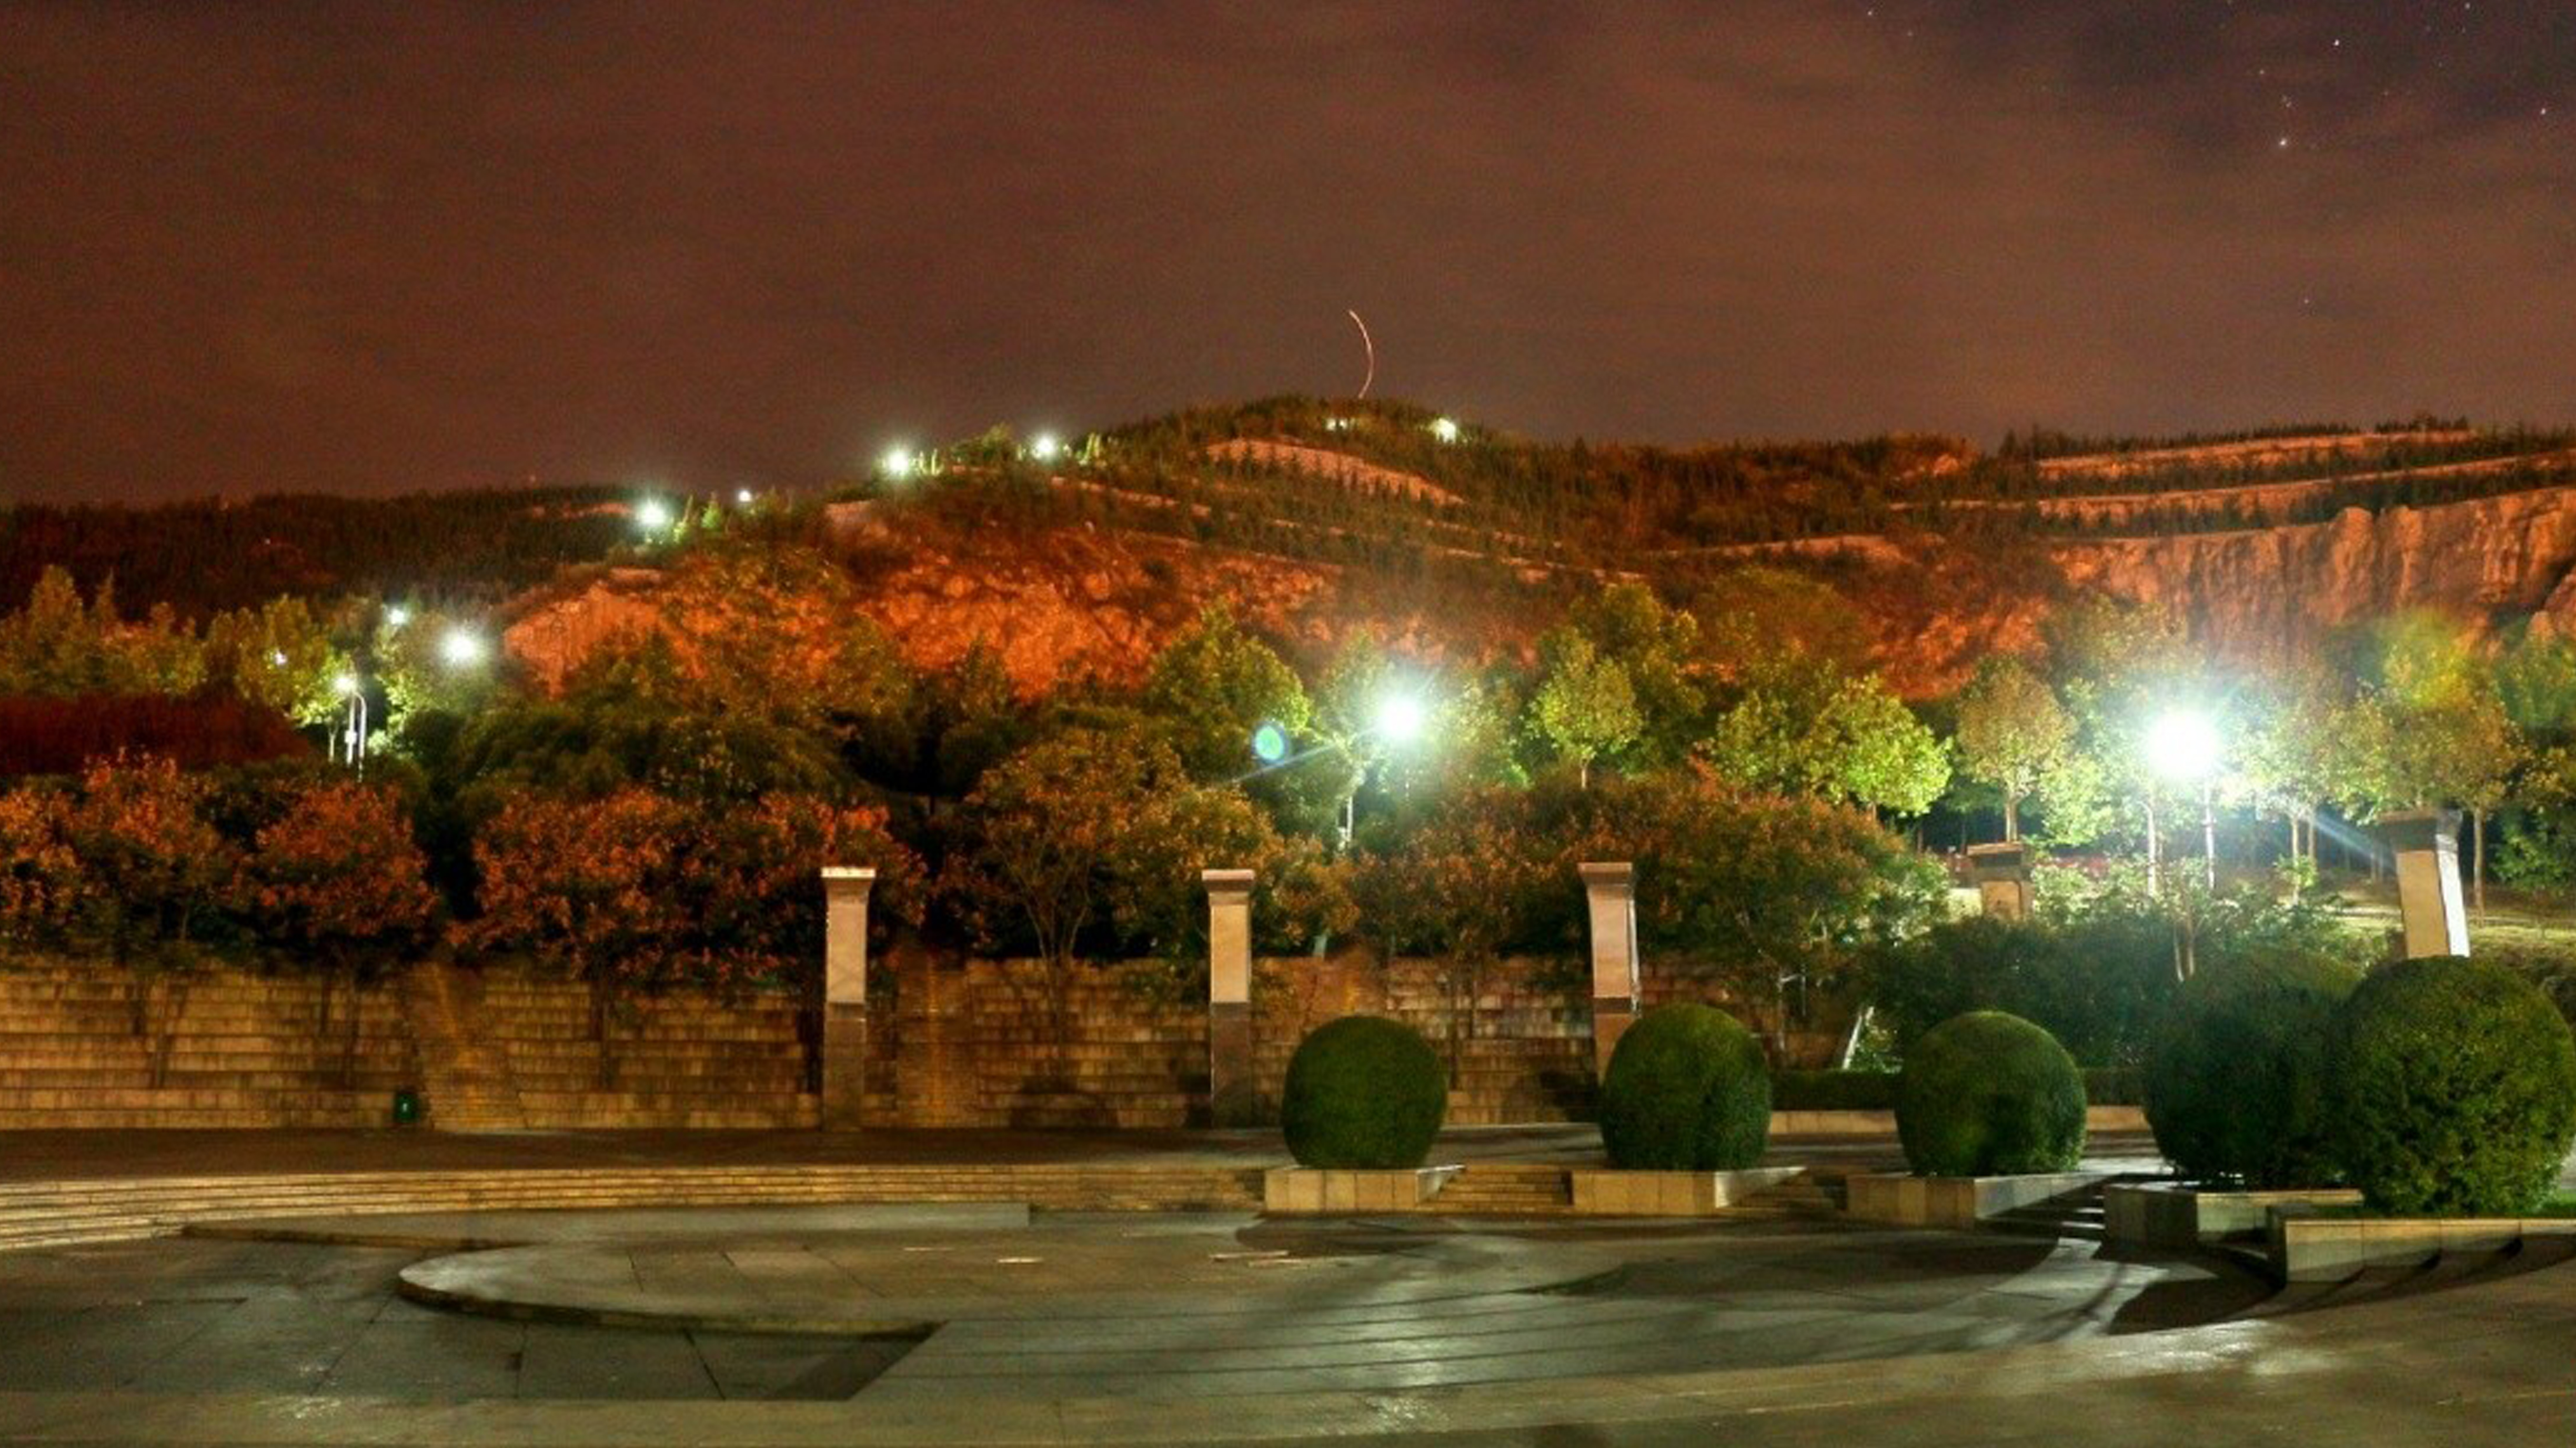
2427 845
1230 1072
1610 895
845 993
2003 879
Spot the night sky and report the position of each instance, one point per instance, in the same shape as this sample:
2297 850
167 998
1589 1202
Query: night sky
375 247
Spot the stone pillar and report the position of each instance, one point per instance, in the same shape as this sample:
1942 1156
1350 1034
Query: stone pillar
1610 893
845 994
1230 1071
2003 879
2427 845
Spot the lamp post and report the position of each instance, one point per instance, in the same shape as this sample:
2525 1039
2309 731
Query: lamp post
1398 722
353 738
2184 747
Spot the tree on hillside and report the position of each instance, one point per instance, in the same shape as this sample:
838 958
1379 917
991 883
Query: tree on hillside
279 654
1658 648
1799 729
2013 734
1217 684
1585 706
58 647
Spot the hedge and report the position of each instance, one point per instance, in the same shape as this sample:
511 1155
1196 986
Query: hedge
1363 1092
1987 1094
1687 1089
2236 1078
2453 1091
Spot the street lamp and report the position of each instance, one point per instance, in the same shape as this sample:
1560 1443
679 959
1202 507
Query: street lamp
353 738
652 515
2183 746
462 648
1397 721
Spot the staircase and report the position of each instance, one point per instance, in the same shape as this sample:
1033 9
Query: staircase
464 1073
2076 1216
1505 1190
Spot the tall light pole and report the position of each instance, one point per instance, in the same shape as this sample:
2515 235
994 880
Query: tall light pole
352 744
2183 746
1398 722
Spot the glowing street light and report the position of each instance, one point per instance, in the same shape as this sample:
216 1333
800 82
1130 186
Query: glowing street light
462 648
396 616
1045 447
351 746
652 515
897 464
1445 429
2183 745
1400 718
742 496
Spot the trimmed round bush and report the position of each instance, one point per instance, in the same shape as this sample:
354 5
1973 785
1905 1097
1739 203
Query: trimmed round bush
2236 1078
1687 1090
1363 1092
2453 1091
1988 1094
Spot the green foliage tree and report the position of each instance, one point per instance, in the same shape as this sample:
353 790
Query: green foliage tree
2013 734
279 654
1215 685
1585 706
1799 730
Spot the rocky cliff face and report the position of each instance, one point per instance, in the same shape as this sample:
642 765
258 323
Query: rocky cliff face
2264 590
1069 603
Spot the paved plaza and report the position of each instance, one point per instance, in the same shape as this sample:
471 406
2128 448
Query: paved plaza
991 1323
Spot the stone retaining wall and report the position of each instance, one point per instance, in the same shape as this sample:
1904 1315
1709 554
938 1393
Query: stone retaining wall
951 1043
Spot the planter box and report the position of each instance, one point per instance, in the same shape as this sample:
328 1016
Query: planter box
1883 1123
2171 1214
2329 1249
1603 1192
1299 1189
1954 1202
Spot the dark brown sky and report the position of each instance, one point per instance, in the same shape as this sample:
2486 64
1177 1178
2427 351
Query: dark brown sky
374 247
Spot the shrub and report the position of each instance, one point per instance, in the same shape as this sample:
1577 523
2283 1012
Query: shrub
2454 1089
2236 1079
1987 1094
1834 1091
1687 1090
2093 983
1363 1092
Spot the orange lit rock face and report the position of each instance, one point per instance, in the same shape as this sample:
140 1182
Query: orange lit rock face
1068 603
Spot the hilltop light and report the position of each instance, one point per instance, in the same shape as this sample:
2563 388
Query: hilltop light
1045 446
742 496
652 515
462 647
397 616
1445 429
897 464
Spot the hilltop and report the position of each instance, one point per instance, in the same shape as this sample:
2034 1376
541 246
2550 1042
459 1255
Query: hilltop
1314 518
